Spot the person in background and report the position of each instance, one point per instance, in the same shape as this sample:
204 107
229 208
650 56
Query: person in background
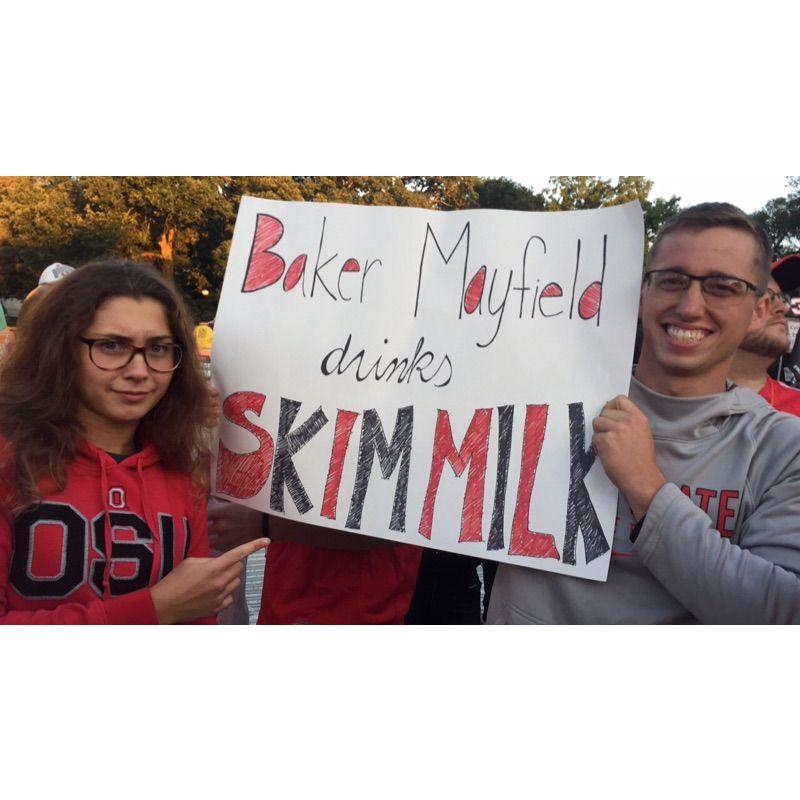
786 271
55 272
5 331
448 589
102 460
50 275
317 575
760 349
238 612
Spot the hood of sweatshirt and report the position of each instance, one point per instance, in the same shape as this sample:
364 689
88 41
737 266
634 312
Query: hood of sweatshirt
692 418
91 461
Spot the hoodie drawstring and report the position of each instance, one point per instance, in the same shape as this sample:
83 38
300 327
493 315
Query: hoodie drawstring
106 528
150 519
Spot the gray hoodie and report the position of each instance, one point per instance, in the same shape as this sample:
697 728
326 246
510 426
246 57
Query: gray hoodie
720 544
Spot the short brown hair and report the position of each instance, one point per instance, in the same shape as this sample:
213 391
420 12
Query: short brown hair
719 215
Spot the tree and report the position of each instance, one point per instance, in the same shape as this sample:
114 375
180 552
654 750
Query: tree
168 212
41 222
567 192
591 191
780 218
184 225
435 192
503 193
656 212
444 193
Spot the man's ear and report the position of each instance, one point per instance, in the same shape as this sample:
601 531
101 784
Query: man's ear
760 314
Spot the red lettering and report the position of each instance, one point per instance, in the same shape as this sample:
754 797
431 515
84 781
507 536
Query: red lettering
341 439
243 475
473 452
706 496
474 294
264 267
525 542
687 491
294 273
725 513
589 304
351 265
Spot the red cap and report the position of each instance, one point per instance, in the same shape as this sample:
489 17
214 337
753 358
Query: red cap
786 272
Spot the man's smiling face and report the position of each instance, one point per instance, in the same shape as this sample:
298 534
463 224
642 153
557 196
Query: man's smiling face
689 337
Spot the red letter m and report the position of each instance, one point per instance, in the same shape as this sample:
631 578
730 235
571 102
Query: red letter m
473 452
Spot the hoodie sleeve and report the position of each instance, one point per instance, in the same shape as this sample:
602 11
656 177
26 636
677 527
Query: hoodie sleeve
135 608
756 581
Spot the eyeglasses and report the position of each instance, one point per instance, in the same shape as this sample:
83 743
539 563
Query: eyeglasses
110 354
784 297
715 287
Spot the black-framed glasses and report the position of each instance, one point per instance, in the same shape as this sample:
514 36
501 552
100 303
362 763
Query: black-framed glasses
110 354
784 297
718 287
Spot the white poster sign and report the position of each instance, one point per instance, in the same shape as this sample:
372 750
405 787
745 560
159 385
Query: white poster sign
428 377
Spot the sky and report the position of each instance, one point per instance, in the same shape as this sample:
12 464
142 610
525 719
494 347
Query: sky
749 192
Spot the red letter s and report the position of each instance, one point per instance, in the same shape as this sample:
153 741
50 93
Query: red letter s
243 475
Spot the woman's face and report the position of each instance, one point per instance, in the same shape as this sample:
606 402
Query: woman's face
112 402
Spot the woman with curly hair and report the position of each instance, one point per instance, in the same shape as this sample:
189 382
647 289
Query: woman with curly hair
103 461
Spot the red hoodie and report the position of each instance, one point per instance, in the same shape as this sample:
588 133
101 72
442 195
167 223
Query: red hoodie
320 586
53 564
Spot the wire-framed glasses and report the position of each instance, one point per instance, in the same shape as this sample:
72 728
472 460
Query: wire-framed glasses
784 297
720 288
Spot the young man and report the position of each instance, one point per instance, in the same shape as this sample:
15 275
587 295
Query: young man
760 348
708 525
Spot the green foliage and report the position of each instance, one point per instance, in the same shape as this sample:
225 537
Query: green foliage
435 192
656 212
781 219
180 224
41 221
567 192
184 225
444 193
591 191
504 193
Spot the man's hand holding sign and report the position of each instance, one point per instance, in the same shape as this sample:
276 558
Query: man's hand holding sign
624 444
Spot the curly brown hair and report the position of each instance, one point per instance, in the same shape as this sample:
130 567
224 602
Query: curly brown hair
39 376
